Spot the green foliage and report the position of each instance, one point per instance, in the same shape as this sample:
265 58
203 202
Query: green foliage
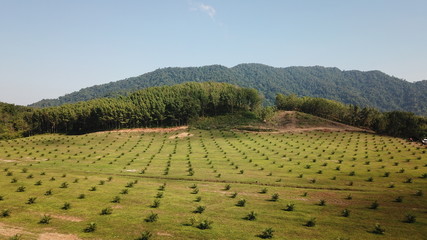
5 213
371 88
152 217
45 219
91 227
205 224
267 233
251 216
156 106
311 223
146 235
106 211
395 123
12 123
378 229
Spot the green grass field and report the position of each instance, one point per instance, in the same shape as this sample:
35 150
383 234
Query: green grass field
320 173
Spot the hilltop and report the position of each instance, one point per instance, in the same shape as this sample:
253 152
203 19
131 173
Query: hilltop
372 88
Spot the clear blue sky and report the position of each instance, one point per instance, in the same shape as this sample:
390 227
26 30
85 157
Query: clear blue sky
52 47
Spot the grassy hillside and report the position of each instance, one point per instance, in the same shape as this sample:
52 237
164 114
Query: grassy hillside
121 180
372 88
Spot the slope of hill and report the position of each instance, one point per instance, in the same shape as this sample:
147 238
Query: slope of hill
373 88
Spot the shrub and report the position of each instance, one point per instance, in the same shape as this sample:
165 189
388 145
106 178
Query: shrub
241 203
195 191
5 213
205 224
345 213
267 233
152 217
419 193
124 191
399 199
106 211
38 183
20 189
159 195
1 197
45 219
81 196
48 192
409 218
91 227
156 203
146 235
290 207
66 206
274 197
198 199
227 187
31 200
322 202
349 197
378 229
63 185
310 223
234 195
199 209
251 216
116 199
374 205
263 191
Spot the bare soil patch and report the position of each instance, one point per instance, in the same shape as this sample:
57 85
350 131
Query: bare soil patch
67 218
9 231
181 135
57 236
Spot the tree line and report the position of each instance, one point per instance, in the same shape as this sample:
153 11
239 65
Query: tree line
394 123
156 106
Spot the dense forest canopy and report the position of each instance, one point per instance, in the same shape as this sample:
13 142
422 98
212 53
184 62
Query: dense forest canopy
395 123
12 122
365 89
156 106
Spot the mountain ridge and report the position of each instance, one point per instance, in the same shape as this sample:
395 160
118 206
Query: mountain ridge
365 88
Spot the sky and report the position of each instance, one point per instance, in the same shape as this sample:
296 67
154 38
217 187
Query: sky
52 47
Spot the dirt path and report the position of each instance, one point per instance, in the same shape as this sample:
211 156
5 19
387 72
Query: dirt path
148 130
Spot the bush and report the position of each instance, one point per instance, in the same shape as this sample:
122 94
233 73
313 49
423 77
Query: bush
290 207
146 235
199 209
81 196
205 224
419 193
106 211
227 187
159 195
124 191
399 199
5 213
198 199
116 199
16 237
45 219
378 229
251 216
374 205
20 189
91 227
156 204
48 192
92 189
345 213
63 185
322 202
66 206
310 223
241 203
263 191
31 200
267 233
409 218
152 217
234 195
274 197
1 197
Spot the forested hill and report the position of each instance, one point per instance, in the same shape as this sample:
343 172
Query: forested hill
373 88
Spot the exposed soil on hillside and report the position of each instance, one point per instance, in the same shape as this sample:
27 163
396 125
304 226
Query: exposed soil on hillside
291 121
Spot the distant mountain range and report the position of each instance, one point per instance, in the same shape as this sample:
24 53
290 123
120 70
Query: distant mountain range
372 88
